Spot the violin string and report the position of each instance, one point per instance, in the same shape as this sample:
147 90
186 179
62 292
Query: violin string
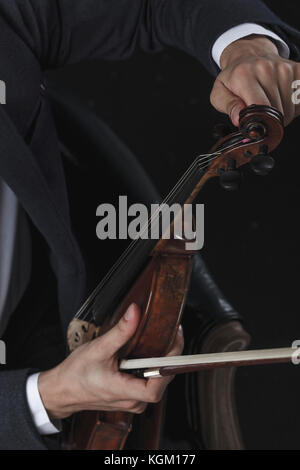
88 302
208 158
199 159
201 163
123 256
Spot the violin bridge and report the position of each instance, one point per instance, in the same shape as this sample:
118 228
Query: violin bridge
80 332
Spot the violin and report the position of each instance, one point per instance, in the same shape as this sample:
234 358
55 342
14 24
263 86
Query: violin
155 274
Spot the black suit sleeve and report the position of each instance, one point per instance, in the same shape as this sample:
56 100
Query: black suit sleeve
17 430
69 31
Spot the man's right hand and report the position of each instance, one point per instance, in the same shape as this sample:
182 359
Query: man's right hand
89 379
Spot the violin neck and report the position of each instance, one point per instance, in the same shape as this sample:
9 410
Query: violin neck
184 190
110 291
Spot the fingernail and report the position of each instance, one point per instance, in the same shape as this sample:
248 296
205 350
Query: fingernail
180 330
128 315
235 114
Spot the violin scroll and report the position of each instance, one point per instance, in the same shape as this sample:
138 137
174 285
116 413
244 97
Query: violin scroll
260 132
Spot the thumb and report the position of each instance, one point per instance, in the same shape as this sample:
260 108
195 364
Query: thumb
115 338
226 102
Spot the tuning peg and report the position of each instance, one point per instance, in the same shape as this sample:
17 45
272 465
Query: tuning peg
221 130
262 164
230 180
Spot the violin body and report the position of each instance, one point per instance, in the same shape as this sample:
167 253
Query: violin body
160 290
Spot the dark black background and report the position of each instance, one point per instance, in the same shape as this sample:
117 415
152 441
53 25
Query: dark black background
159 105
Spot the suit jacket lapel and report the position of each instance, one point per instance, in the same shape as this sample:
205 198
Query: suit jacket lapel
20 171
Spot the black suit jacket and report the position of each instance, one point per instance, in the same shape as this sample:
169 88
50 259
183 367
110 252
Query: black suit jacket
36 35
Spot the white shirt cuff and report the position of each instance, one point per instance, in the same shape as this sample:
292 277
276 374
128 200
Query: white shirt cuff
243 30
37 409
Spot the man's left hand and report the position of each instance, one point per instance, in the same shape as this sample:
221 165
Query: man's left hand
254 73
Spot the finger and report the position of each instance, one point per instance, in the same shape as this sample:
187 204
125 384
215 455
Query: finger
274 96
140 408
225 101
257 96
156 388
245 85
150 391
140 390
285 74
128 405
289 108
132 388
123 406
110 343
